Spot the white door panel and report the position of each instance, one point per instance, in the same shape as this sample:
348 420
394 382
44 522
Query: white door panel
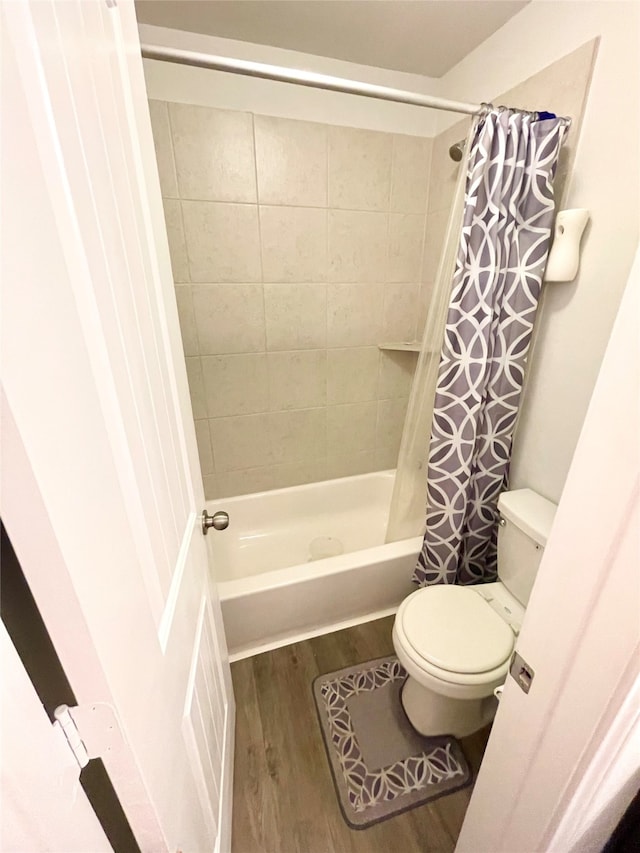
106 187
99 418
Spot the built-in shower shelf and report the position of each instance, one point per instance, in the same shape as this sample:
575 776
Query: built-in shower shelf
402 346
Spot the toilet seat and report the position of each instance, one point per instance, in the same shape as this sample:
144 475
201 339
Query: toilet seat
453 635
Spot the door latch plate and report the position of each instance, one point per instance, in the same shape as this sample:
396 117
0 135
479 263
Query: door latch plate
521 672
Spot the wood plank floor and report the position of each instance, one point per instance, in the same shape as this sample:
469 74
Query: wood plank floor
284 798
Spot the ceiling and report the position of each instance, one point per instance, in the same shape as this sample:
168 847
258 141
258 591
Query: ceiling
421 36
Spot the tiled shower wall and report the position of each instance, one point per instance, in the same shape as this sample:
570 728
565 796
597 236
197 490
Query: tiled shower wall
296 249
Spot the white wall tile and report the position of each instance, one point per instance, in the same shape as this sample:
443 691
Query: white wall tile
400 302
229 318
424 306
297 473
354 314
211 489
359 169
391 415
291 161
297 436
352 375
294 243
213 153
426 293
386 458
396 373
164 148
295 316
187 320
204 447
196 387
351 465
235 384
222 241
435 234
406 236
240 442
297 380
410 174
357 246
175 235
351 429
245 481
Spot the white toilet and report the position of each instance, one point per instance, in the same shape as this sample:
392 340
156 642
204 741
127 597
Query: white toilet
456 641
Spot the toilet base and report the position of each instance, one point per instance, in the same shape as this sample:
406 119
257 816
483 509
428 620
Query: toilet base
431 714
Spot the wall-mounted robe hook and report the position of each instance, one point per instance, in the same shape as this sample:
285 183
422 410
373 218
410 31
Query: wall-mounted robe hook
564 257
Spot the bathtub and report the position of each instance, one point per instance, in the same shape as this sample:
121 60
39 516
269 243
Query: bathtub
306 560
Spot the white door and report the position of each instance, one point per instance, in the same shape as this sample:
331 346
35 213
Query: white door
101 489
43 805
545 771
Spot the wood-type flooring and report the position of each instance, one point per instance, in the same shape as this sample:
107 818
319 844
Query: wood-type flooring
284 798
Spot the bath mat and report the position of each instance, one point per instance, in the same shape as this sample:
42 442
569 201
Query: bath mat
380 765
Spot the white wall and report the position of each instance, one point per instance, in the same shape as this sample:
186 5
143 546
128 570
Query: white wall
575 319
172 82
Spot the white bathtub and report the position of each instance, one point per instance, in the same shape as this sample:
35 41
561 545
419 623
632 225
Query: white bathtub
274 592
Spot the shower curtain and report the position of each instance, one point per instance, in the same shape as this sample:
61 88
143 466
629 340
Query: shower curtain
501 255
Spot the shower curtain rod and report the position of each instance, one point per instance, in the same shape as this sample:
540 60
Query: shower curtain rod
305 78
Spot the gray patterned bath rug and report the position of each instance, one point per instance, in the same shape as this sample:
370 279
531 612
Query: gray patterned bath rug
380 765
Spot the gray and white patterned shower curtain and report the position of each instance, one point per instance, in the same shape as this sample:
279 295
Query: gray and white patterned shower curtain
501 258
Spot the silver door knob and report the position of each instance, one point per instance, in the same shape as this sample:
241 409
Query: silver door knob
219 521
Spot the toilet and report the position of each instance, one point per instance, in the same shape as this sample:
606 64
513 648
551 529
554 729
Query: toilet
455 642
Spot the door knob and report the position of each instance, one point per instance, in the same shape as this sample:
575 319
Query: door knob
219 521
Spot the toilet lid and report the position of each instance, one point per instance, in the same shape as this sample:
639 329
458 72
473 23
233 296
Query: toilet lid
455 629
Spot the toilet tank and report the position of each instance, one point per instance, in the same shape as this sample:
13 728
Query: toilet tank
525 522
